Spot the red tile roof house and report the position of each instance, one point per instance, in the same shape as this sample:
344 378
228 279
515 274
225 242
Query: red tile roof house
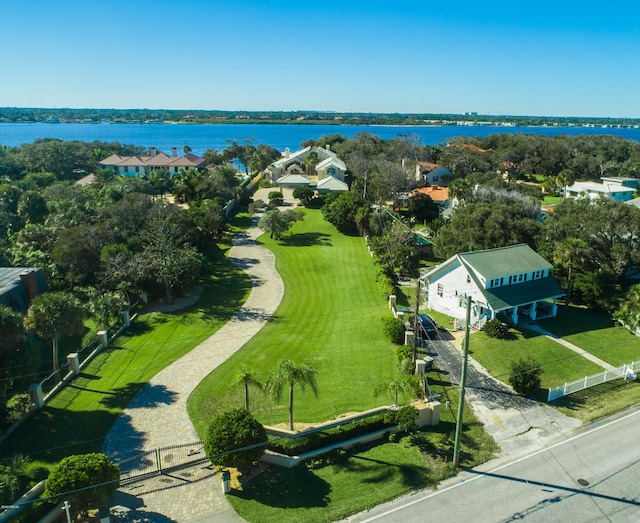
145 163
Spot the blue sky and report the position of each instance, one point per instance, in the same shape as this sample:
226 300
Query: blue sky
517 57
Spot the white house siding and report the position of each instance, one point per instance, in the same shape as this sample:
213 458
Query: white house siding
453 280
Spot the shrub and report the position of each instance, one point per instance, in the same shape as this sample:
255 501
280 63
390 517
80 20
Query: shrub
404 352
405 418
232 430
275 199
394 330
75 473
525 376
496 329
304 194
256 205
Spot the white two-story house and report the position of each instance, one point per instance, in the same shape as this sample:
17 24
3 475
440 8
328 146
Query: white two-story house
513 282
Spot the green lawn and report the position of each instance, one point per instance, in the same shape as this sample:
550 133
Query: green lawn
559 364
78 418
330 318
597 334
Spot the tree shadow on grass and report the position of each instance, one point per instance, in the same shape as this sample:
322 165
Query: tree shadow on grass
378 471
287 488
307 239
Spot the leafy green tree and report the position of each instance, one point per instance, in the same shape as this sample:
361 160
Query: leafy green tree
11 333
290 374
629 311
423 208
53 315
233 430
342 211
173 262
483 225
88 478
32 207
248 380
572 253
525 376
276 199
277 222
304 194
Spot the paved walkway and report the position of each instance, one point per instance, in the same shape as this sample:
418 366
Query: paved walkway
536 328
157 416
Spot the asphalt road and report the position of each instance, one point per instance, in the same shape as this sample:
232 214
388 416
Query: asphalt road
589 477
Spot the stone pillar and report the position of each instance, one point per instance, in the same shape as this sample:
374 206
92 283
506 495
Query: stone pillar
408 337
35 392
126 319
104 339
74 363
392 301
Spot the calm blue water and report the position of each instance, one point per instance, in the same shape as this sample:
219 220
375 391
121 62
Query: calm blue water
201 137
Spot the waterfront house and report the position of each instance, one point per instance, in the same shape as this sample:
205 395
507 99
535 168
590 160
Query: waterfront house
145 163
513 283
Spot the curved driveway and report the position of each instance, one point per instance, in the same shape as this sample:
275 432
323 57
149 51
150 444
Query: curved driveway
157 416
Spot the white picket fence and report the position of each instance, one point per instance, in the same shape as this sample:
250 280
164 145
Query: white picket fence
625 372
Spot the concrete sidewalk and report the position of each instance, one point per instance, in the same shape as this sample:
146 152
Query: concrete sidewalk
157 416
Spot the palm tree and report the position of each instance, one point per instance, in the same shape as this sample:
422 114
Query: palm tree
247 379
564 179
570 254
289 373
52 315
394 387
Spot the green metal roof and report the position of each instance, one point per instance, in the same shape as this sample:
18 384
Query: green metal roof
516 294
503 261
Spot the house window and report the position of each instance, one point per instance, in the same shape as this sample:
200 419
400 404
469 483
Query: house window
520 277
501 281
440 290
126 169
435 178
537 275
137 170
468 279
462 303
510 278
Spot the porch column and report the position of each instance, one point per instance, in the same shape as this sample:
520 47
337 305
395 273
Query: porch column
514 315
554 307
532 311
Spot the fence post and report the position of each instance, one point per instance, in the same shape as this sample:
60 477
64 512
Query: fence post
104 339
158 463
35 392
74 363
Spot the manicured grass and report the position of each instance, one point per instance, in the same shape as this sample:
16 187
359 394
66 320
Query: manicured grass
370 476
333 492
330 318
559 364
80 416
601 400
552 200
596 333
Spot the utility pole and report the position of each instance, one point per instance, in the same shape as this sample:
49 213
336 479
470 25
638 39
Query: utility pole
415 325
463 384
